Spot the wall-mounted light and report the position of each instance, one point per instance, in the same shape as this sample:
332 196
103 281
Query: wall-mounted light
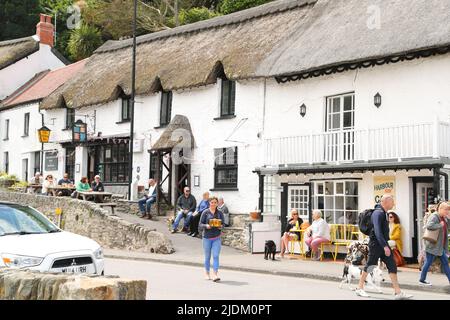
302 110
377 100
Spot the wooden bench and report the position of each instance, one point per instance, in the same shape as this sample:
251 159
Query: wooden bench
112 205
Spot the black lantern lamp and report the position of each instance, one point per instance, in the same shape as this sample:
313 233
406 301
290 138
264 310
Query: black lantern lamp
302 110
377 100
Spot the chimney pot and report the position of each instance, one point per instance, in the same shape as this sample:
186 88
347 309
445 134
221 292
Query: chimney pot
45 30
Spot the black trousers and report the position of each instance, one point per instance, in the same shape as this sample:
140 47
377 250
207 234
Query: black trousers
193 227
377 252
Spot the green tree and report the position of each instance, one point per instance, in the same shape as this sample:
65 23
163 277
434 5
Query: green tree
18 18
83 42
230 6
196 14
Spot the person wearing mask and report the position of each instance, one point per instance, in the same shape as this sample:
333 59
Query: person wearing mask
379 248
145 204
317 233
226 214
202 206
186 205
48 183
438 220
294 223
212 242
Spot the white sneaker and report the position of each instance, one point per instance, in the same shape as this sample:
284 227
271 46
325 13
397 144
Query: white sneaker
361 293
425 283
402 296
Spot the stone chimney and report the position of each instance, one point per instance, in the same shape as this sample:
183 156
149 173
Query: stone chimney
45 30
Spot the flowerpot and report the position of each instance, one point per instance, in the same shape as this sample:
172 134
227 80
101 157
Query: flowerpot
255 215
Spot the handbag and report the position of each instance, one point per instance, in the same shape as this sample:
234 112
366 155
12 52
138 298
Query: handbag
431 235
398 258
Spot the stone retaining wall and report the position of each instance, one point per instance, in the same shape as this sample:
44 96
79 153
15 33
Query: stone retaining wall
87 219
28 285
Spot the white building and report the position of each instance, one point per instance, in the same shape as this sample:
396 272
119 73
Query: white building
20 150
21 59
294 104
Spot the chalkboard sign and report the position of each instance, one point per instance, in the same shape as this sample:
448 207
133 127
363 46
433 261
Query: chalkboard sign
51 161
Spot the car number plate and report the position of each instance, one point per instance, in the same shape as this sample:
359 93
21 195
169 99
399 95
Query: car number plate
80 269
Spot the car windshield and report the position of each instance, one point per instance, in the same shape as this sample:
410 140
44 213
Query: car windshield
16 219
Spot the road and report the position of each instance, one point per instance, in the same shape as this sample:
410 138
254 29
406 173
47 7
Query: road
176 282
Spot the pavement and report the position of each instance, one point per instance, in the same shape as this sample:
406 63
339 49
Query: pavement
189 252
189 284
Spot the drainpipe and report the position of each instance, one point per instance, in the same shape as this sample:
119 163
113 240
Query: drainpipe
42 145
445 175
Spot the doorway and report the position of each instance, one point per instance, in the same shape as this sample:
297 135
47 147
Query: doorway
25 169
423 197
297 197
182 178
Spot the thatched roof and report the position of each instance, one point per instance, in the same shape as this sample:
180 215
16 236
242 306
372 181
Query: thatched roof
12 51
281 37
178 129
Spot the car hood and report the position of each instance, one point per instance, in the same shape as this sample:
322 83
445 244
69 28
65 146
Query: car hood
41 245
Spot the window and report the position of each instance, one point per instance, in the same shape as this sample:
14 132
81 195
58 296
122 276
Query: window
226 167
166 108
269 194
112 162
340 112
37 162
6 132
152 172
228 97
70 118
338 200
6 162
26 124
70 162
126 109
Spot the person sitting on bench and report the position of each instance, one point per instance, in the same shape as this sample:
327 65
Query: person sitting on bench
145 204
186 205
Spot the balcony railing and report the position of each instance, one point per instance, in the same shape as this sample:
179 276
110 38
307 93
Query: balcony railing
400 142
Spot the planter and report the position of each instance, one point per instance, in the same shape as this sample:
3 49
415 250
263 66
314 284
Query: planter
255 215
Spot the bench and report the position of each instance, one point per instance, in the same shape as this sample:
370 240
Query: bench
112 205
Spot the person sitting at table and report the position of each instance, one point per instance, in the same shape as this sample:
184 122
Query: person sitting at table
37 180
294 223
97 185
48 183
65 181
82 186
318 232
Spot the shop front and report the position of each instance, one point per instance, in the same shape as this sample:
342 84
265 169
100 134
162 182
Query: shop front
341 192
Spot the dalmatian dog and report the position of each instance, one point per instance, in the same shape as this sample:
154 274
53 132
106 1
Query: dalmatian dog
356 258
373 280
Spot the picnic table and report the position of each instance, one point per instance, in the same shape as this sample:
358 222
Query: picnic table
35 187
94 194
55 189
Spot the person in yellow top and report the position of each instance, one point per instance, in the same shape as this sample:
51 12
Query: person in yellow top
395 231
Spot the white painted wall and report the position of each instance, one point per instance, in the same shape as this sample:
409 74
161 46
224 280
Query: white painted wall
17 74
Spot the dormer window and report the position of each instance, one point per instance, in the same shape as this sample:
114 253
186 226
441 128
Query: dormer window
126 109
166 108
228 97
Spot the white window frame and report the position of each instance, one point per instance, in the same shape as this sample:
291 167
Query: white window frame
329 112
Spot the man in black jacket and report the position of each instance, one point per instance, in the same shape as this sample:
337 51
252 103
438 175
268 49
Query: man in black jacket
379 248
186 205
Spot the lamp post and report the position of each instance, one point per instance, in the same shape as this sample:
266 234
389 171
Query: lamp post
133 93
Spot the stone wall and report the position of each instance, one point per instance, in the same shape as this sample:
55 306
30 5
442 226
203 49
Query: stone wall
87 219
27 285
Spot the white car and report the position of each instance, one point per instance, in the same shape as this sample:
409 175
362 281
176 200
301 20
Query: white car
28 240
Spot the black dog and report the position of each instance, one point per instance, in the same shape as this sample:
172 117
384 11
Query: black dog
270 249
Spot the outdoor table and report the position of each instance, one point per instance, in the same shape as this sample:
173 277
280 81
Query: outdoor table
35 187
55 189
94 194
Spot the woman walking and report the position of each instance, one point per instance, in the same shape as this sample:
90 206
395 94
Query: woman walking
437 221
211 222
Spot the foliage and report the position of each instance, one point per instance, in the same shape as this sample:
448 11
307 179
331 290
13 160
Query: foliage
5 176
20 184
195 14
230 6
83 42
18 18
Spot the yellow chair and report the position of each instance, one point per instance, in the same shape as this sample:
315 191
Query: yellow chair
301 244
340 235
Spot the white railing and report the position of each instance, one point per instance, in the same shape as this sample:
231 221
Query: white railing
400 142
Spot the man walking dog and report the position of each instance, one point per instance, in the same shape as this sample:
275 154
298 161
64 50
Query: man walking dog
379 248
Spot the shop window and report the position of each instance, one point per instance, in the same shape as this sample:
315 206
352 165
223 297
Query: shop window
338 201
226 168
112 162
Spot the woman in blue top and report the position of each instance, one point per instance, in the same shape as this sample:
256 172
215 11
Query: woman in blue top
202 206
211 237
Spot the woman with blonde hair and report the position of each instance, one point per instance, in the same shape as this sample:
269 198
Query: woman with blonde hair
294 223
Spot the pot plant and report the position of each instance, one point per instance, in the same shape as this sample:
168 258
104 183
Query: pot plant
255 214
